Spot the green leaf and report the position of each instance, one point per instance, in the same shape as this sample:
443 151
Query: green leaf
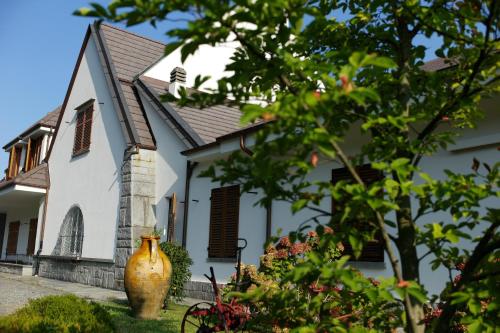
437 231
357 245
250 113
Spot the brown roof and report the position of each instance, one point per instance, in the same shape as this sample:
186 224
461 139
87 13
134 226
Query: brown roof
130 55
438 64
37 177
208 123
49 120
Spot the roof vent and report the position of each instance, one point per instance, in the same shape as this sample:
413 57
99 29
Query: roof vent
178 74
177 80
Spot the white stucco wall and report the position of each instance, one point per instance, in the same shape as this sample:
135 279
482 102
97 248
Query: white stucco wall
92 180
217 56
170 171
252 219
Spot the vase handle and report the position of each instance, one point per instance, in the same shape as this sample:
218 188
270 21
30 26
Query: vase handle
153 248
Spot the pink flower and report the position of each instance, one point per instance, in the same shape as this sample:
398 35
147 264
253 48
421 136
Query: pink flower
457 279
328 230
270 249
285 242
281 254
460 266
312 234
297 248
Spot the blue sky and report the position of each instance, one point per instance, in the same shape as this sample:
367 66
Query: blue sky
39 44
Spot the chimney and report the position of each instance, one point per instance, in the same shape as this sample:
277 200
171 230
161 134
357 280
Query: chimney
177 80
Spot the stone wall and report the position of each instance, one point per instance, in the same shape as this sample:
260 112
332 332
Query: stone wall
94 273
16 269
136 217
200 290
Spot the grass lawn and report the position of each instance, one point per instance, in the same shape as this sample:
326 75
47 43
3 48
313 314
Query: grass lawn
169 322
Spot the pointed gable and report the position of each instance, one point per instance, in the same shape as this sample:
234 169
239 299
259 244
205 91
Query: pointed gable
128 55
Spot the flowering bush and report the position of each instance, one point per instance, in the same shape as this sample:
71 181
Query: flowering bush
281 301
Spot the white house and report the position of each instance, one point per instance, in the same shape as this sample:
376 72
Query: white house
22 193
120 159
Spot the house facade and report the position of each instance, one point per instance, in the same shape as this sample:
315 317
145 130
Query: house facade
22 193
121 161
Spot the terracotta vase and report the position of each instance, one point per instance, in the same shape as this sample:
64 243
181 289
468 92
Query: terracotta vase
147 278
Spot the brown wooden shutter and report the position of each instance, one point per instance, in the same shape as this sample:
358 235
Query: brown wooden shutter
80 121
12 238
87 128
35 149
224 220
30 250
373 250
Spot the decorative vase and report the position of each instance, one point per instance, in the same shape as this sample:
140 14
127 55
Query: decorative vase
147 278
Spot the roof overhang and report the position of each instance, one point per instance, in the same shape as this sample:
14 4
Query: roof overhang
18 196
34 131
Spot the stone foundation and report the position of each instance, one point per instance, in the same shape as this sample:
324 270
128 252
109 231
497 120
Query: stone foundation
200 290
90 272
16 269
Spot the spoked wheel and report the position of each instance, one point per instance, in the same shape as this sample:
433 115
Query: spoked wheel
201 318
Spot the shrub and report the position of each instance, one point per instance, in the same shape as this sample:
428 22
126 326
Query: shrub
66 313
181 274
282 302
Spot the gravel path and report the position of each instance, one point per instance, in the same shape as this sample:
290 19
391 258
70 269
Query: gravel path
16 291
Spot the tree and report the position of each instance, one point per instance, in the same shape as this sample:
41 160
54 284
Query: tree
323 76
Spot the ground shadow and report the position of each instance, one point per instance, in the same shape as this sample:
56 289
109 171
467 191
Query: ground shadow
169 321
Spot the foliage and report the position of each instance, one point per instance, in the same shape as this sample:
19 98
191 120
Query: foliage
179 257
66 313
323 69
282 301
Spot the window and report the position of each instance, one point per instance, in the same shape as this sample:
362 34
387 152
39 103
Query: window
14 162
224 220
12 238
30 250
33 153
373 250
83 128
71 234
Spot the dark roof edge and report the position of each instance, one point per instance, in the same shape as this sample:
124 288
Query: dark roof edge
68 92
243 131
131 136
26 132
181 125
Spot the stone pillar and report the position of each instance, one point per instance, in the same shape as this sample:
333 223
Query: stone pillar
137 207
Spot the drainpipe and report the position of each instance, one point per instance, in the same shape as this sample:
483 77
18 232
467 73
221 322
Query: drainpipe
189 173
269 207
42 232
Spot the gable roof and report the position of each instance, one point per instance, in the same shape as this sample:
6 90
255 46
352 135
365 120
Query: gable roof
125 56
49 120
122 55
208 123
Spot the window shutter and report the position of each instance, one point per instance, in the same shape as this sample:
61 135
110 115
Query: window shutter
12 238
32 237
80 118
373 250
224 220
87 128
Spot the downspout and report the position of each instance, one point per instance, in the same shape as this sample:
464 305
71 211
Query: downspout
42 232
189 173
269 207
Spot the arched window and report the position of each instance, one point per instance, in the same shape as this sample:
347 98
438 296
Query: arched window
71 234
